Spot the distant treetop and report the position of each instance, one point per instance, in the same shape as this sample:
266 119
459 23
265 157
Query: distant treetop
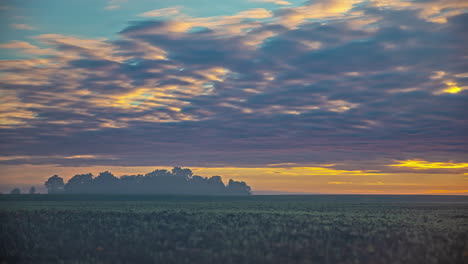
177 181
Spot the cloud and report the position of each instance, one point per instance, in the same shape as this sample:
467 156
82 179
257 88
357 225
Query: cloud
276 2
230 24
26 47
323 9
22 26
163 12
432 10
114 4
16 158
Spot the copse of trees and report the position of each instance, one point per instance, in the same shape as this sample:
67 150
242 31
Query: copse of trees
177 181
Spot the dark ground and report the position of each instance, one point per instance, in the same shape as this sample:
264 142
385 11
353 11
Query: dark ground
232 229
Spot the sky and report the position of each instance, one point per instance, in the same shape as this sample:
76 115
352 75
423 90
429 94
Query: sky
336 97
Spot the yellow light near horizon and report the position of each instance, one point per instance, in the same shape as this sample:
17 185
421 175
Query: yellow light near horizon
277 179
452 87
447 191
453 90
425 165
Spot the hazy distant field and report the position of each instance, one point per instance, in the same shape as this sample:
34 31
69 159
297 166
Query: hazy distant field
255 229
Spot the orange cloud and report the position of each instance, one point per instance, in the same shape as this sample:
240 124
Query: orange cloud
26 47
12 113
98 48
317 10
148 95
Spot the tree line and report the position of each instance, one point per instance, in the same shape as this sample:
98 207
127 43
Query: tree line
32 190
177 181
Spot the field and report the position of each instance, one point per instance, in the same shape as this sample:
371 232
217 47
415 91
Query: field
225 229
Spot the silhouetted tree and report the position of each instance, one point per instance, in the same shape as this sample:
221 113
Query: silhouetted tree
158 181
198 180
132 183
216 185
105 182
182 173
32 190
238 187
105 178
177 181
54 184
216 181
15 191
158 173
79 183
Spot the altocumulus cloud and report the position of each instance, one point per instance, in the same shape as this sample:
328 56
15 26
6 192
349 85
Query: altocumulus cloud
322 82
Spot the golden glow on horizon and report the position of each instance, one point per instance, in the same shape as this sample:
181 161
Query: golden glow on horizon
337 182
323 171
425 165
447 192
270 179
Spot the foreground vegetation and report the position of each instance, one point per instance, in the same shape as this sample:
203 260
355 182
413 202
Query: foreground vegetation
248 229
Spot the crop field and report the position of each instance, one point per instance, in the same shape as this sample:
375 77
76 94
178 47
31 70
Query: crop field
228 229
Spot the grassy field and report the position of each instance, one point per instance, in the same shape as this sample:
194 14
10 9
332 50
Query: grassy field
253 229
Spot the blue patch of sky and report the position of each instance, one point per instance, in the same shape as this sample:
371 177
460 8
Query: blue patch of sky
91 19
